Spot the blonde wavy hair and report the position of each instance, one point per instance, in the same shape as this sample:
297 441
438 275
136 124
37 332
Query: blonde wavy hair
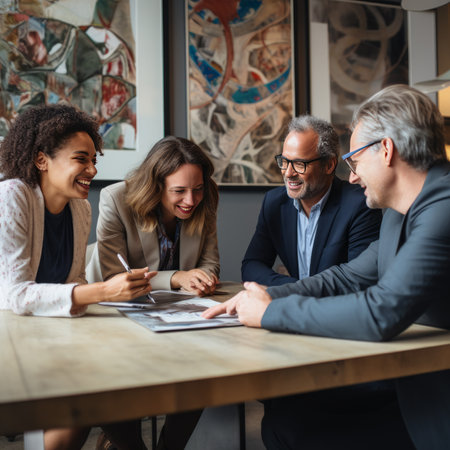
146 183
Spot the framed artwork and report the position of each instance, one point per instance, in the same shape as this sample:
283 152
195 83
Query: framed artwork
240 91
104 56
356 49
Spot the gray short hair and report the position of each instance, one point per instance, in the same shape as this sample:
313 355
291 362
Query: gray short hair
328 145
410 119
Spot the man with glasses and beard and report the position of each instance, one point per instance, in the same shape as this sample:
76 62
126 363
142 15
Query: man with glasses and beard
316 220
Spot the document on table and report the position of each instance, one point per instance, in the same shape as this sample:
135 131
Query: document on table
160 296
179 315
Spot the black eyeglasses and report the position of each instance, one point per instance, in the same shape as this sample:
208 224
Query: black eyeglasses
298 165
347 157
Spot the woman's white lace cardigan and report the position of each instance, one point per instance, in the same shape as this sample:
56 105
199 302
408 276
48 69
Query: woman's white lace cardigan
21 237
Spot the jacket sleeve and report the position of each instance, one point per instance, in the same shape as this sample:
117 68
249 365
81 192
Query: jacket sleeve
338 303
18 238
261 254
359 274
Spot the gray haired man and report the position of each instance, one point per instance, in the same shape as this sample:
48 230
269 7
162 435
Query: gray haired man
398 157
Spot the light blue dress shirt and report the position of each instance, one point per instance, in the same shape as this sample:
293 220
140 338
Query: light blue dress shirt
306 233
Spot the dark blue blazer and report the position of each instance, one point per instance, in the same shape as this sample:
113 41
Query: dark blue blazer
346 227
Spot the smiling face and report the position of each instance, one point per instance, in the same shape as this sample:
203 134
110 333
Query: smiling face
369 168
69 173
310 186
183 192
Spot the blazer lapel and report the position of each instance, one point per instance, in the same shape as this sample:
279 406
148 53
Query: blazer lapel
81 226
395 225
288 233
38 229
150 247
390 233
189 245
324 226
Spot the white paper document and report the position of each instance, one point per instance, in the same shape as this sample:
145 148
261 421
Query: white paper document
174 315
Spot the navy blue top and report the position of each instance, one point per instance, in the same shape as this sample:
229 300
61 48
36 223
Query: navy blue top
57 248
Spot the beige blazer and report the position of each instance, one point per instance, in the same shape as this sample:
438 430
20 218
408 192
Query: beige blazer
21 239
118 232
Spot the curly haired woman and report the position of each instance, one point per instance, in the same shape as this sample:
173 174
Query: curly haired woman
48 162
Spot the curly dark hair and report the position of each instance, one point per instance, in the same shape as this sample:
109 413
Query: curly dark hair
44 128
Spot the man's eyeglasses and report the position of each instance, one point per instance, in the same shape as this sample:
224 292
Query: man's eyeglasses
298 165
348 156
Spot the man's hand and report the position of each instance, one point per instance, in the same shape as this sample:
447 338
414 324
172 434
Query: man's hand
250 305
228 307
121 287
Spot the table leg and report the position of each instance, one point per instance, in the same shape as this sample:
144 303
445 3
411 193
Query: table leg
154 420
241 414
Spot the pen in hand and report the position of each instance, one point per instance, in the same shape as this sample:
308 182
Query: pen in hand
127 268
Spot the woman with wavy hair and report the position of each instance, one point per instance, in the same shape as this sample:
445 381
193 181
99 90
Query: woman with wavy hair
47 161
162 216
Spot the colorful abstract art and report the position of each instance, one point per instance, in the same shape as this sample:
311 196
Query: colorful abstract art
240 91
76 51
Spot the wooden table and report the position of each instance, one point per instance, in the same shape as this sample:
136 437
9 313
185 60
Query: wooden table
104 367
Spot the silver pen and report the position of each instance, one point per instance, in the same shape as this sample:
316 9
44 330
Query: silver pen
127 268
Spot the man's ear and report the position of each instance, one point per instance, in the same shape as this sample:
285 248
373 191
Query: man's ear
330 166
388 150
41 161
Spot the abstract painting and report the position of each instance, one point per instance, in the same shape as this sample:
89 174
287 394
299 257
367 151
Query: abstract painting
240 85
367 50
81 52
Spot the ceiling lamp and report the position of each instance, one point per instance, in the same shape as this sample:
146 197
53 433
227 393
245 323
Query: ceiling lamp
422 5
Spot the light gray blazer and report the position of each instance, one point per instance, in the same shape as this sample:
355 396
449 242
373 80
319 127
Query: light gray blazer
21 239
119 232
400 279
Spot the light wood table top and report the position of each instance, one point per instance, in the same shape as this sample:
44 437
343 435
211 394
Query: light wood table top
104 367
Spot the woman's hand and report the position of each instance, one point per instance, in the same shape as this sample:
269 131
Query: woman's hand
122 287
127 286
196 280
